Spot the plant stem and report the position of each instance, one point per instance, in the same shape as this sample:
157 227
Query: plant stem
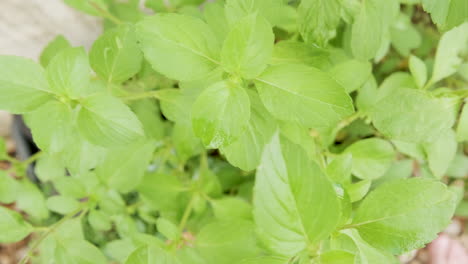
49 231
187 212
33 158
104 13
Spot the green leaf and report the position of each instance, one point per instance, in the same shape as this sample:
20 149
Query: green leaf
358 190
371 157
56 115
90 7
22 84
119 249
295 52
168 229
458 167
68 73
367 254
404 35
58 44
78 252
339 169
351 74
417 211
123 172
62 204
411 115
452 45
337 257
441 152
303 94
248 47
462 127
418 70
160 191
227 241
295 205
115 56
186 143
446 14
151 255
8 188
13 228
230 208
246 151
106 121
70 186
213 13
370 27
49 168
399 170
175 105
31 200
149 114
318 20
265 260
99 220
180 47
226 124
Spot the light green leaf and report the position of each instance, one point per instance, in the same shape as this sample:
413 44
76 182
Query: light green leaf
70 186
58 44
448 58
31 200
115 56
149 114
418 70
371 157
231 116
339 169
371 26
230 208
49 168
458 167
186 143
318 20
13 228
180 47
462 127
265 260
8 188
404 35
62 204
90 7
295 205
106 121
411 115
441 152
303 94
213 13
399 170
99 220
417 210
246 151
124 172
23 85
51 126
446 14
119 249
337 257
68 73
175 105
248 47
295 52
151 255
160 190
351 74
358 190
78 252
227 241
299 135
367 254
168 229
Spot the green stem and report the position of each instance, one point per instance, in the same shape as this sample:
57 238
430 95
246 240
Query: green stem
33 158
187 212
49 231
104 13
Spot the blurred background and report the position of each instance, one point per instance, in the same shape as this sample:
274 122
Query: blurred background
26 26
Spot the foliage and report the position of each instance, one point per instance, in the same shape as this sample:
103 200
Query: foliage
242 131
